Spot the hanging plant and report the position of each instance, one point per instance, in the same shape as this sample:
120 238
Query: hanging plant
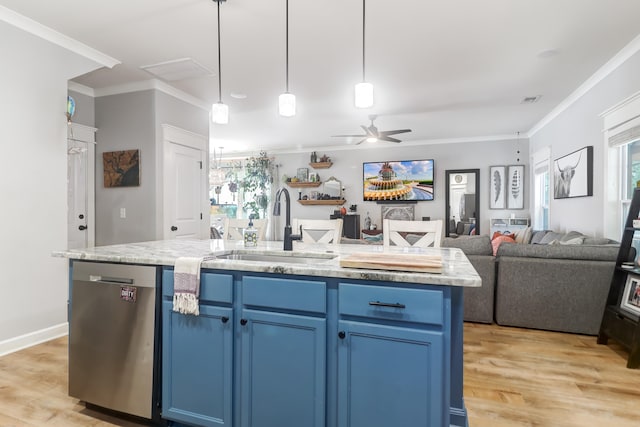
258 176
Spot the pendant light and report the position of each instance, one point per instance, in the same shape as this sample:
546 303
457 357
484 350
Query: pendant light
219 111
363 90
287 101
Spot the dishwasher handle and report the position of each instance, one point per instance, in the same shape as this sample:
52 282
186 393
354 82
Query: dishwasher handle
113 280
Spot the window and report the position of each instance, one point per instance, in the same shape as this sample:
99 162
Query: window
541 193
629 176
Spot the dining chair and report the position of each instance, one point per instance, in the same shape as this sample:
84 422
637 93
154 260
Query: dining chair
233 228
412 233
318 230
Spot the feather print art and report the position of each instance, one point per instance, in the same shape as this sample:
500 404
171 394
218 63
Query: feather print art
496 184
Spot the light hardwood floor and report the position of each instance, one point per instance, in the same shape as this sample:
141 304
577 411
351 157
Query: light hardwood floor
513 377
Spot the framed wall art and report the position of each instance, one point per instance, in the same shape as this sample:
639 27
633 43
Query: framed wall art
402 212
515 187
631 296
121 168
573 174
497 180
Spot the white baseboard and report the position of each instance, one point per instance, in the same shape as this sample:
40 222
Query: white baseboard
33 338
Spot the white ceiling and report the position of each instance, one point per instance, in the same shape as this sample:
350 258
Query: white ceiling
449 70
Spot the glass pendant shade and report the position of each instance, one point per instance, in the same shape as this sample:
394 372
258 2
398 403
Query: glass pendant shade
287 104
220 113
364 95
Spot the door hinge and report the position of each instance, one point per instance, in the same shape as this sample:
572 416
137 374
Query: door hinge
200 164
200 215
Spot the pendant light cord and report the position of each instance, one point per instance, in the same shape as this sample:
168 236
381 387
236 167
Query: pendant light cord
287 47
219 56
363 38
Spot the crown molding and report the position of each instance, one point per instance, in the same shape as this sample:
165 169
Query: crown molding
30 26
151 84
613 64
82 89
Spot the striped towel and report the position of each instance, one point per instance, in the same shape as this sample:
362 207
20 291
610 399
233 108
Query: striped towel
186 285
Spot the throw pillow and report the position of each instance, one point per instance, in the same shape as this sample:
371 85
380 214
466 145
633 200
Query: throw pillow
495 243
574 241
498 234
537 236
523 235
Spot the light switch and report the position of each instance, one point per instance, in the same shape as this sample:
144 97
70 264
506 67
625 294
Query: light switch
123 213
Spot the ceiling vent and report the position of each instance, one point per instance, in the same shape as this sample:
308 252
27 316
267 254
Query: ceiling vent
531 99
177 69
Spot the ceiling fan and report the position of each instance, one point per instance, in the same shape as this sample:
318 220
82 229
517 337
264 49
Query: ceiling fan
372 134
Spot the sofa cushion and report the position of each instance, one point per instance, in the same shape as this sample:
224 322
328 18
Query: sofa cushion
581 252
550 237
470 245
538 235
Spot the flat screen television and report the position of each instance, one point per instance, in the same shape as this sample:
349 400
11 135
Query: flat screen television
398 180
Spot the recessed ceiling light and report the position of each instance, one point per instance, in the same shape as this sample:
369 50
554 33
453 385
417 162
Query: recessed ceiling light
531 99
238 95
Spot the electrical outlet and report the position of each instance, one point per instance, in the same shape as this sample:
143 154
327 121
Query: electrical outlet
123 213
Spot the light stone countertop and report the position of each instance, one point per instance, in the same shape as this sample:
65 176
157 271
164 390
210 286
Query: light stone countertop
457 270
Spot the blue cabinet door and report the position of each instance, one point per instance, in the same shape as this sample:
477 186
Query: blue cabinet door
390 376
283 370
197 355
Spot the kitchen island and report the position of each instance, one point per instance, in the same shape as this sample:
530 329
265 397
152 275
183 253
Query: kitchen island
293 339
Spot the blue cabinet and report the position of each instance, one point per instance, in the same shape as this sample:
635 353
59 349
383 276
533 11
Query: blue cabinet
283 357
197 356
389 376
391 357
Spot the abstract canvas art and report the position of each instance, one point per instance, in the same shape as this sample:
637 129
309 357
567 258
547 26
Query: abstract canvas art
121 168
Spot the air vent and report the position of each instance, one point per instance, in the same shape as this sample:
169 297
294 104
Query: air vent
531 99
177 69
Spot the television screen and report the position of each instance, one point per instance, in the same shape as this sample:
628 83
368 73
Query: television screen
398 180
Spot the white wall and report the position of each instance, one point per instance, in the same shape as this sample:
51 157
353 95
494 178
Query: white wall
347 167
33 183
578 126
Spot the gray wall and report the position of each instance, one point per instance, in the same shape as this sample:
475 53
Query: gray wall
126 122
85 109
578 126
347 167
133 121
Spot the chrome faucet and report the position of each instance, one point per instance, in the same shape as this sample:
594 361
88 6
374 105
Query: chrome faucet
288 237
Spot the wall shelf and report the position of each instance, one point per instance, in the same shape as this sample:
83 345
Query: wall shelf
321 165
322 202
304 184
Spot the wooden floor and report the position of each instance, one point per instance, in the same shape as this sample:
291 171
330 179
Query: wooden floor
513 377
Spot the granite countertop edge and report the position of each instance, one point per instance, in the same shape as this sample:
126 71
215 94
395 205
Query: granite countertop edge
457 270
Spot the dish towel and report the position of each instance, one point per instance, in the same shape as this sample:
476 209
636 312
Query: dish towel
186 285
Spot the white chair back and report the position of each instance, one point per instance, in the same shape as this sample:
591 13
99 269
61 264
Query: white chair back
318 230
425 233
233 228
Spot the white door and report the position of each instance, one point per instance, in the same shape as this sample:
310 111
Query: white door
80 187
185 196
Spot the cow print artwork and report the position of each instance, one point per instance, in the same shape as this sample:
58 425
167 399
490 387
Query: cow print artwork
573 174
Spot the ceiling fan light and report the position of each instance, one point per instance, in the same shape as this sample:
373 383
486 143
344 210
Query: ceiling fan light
220 113
364 95
372 139
287 104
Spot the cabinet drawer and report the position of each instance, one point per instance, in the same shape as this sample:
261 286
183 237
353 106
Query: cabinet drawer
406 305
213 287
301 295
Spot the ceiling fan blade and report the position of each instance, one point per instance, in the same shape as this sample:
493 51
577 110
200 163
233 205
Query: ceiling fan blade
394 132
388 139
369 132
349 136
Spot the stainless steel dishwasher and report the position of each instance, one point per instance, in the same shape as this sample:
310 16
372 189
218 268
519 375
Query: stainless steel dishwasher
113 346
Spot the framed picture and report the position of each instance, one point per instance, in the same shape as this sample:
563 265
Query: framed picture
395 212
515 187
121 168
303 174
631 296
573 174
497 180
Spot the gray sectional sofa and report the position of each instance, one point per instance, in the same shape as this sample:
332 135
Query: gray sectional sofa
558 286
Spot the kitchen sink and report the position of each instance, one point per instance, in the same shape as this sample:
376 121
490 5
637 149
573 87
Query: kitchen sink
277 257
